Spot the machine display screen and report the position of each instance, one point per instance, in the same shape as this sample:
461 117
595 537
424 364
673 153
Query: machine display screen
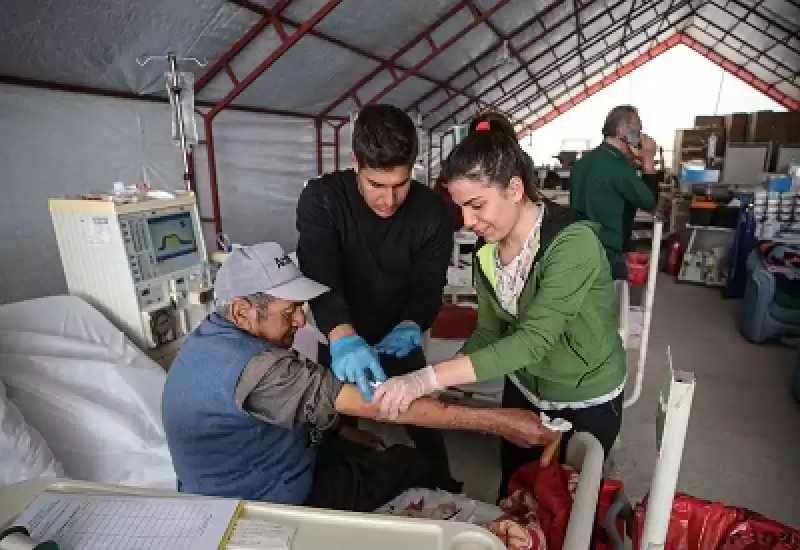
172 236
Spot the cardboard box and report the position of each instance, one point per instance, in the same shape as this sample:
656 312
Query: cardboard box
771 126
691 143
736 127
709 122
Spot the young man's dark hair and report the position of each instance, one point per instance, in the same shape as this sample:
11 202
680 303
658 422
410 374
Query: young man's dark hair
384 137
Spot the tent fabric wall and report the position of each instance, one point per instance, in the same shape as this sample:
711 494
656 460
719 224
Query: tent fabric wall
262 163
55 143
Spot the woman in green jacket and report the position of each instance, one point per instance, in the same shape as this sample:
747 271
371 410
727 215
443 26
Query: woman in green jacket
546 314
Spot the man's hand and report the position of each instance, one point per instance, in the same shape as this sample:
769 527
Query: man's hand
524 429
362 437
401 340
647 149
396 394
646 153
354 361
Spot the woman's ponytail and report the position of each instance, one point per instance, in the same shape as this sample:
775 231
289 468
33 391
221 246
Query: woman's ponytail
491 146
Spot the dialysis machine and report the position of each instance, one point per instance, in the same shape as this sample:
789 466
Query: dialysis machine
142 262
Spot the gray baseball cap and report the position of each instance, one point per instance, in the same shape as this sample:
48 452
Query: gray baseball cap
266 268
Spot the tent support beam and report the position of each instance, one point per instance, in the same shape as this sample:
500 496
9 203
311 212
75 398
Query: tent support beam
504 39
507 94
474 63
224 62
290 41
208 118
391 67
679 38
550 52
608 55
623 71
742 74
212 174
116 94
425 35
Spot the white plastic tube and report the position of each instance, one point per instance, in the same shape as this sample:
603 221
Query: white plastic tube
584 453
650 294
674 410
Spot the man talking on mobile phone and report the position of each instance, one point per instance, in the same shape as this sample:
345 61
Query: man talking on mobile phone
605 185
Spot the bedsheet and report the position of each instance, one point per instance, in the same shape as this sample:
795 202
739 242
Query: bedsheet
94 396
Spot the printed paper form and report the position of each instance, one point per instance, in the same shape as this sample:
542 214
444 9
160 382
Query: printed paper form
93 522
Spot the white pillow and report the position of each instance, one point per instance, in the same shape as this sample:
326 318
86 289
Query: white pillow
24 454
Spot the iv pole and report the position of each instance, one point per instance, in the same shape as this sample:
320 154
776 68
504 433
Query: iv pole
175 91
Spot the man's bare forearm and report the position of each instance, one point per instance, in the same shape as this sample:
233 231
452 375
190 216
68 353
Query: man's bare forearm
431 413
520 427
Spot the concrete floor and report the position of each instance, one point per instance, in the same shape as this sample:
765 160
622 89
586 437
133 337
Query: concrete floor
743 444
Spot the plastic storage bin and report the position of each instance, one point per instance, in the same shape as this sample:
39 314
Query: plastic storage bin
778 184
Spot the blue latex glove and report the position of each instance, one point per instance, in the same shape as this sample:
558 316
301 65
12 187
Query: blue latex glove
401 340
354 361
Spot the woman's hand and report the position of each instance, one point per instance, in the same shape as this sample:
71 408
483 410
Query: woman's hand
396 394
524 429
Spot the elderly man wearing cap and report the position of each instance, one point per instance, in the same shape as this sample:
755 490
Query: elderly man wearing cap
246 418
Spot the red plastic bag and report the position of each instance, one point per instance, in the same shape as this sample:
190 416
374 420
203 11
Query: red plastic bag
697 524
552 488
759 533
678 530
600 537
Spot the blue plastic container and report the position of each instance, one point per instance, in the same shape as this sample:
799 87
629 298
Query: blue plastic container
778 184
702 175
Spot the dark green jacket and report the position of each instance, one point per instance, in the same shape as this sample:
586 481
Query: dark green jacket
564 342
605 188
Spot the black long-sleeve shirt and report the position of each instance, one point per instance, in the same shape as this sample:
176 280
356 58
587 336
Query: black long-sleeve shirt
381 271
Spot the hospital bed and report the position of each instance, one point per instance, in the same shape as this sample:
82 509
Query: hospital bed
95 399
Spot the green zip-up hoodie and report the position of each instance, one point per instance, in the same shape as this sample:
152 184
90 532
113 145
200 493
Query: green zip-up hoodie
563 344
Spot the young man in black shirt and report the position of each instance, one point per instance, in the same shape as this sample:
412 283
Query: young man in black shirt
382 243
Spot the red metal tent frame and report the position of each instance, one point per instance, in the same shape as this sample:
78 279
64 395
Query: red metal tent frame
521 93
530 87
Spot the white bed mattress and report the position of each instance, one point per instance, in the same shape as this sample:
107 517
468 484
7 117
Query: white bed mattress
92 394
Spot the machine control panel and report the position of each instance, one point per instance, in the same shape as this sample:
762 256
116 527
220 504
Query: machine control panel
159 242
141 258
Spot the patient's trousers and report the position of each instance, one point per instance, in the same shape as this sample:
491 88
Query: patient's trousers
349 476
428 441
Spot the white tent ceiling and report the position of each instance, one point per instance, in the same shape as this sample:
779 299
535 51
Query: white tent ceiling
525 56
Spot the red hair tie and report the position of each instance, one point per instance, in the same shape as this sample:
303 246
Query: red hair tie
483 126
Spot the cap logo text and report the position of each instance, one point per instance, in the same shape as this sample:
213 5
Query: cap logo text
284 261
